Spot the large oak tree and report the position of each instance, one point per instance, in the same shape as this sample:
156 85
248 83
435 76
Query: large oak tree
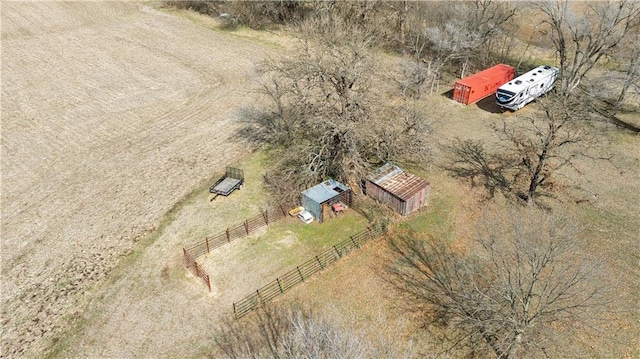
323 117
520 290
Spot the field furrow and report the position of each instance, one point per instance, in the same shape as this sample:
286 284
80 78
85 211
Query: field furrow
111 113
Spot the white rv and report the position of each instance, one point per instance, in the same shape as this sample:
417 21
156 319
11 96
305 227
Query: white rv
525 88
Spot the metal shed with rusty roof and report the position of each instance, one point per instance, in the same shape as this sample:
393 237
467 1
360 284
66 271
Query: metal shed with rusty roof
318 199
403 192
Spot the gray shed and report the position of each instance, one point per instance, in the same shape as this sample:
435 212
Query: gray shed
402 191
319 198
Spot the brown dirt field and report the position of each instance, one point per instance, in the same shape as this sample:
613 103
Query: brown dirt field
112 112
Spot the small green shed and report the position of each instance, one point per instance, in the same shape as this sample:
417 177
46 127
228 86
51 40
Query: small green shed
319 198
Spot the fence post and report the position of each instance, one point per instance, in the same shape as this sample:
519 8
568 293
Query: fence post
279 285
284 213
208 283
266 217
235 312
258 295
299 272
228 238
354 242
337 251
246 226
186 257
319 262
207 240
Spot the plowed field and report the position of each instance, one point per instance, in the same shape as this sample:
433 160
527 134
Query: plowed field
111 113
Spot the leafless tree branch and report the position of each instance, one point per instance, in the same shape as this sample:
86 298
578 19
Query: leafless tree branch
523 281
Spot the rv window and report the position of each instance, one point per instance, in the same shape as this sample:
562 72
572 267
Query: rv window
506 93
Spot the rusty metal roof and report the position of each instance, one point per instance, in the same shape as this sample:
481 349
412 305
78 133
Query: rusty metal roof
325 190
395 180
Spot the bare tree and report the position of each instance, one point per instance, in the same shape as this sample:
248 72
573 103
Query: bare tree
323 115
531 151
545 144
275 331
616 87
402 10
584 37
469 30
516 292
632 76
436 35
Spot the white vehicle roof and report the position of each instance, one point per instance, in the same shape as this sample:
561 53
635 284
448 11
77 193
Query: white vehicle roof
305 215
523 81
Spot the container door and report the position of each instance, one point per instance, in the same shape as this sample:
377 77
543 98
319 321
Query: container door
461 94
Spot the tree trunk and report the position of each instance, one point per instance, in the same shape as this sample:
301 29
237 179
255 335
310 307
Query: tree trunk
535 180
516 343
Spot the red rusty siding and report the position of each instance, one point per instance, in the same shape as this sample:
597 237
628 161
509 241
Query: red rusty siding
403 192
376 192
476 87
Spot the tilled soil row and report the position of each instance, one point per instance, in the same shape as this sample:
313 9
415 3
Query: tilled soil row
111 113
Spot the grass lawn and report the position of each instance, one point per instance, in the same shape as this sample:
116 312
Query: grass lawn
354 286
244 265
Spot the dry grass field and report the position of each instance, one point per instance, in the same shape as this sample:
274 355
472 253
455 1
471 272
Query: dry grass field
116 117
607 207
111 113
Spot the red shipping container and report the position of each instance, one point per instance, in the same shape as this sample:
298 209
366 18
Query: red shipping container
476 87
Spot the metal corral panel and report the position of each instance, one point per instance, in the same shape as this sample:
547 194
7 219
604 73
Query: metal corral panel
402 191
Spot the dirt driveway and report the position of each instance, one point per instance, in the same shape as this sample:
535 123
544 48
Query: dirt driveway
111 113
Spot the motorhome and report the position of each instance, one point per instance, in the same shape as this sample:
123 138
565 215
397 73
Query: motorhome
526 88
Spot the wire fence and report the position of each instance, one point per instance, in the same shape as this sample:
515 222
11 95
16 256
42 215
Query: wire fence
302 272
197 250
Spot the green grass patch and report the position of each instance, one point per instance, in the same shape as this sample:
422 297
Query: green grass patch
224 212
332 231
435 219
290 242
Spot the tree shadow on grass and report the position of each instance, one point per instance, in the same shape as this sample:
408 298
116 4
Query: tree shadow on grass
470 160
